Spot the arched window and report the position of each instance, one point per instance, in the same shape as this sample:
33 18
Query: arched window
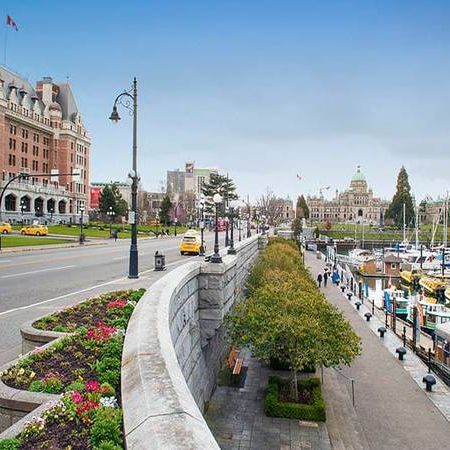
10 202
360 212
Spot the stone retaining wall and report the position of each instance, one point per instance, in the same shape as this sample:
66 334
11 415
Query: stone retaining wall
174 348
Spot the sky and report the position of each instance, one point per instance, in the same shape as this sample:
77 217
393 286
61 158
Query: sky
263 90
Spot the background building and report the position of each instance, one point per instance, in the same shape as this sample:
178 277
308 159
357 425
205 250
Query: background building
123 188
41 132
356 204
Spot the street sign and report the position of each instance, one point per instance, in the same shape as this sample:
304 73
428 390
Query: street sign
131 217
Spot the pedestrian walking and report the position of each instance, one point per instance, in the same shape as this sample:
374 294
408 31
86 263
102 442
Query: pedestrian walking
115 235
319 279
325 278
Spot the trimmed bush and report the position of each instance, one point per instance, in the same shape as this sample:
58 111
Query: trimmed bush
273 407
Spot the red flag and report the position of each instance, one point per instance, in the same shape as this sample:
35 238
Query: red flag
11 23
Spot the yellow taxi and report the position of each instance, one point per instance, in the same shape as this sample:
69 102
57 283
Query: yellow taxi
191 242
34 230
5 228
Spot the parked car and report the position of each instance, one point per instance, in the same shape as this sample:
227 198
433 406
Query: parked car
191 242
34 230
5 228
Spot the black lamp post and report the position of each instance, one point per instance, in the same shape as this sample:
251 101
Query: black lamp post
129 101
111 214
233 205
216 258
227 238
52 210
239 225
263 225
81 225
22 207
202 225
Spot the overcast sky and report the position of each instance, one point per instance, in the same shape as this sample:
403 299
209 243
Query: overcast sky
262 89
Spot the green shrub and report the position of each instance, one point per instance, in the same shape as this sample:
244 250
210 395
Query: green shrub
107 427
60 329
273 407
75 386
108 445
10 444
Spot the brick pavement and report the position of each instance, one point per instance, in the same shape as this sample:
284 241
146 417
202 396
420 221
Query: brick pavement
236 418
392 410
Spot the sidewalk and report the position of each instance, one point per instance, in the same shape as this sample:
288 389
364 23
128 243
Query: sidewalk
392 410
237 419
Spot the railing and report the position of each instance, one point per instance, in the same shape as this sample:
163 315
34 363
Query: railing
352 381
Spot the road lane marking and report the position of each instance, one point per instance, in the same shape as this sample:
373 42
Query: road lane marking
36 271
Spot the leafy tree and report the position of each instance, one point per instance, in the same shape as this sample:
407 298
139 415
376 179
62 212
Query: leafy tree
111 197
302 209
164 211
287 317
401 197
297 227
221 184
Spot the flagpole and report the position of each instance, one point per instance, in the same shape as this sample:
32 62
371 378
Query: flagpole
6 40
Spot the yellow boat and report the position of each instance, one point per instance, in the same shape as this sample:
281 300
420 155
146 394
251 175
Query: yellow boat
410 276
431 285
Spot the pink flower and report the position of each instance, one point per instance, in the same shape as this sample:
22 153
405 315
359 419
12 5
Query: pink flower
92 386
117 304
77 397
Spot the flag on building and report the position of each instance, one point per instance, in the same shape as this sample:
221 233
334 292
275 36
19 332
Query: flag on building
11 22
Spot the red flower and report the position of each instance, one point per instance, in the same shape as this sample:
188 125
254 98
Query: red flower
92 386
101 333
117 304
86 406
77 397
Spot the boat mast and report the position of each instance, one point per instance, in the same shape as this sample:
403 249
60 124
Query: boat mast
417 226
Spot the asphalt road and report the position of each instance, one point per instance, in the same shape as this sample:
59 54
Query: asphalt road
37 282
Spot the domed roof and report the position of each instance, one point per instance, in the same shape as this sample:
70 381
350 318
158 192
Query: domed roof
54 105
358 175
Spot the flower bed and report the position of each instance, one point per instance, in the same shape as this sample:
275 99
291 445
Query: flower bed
112 308
313 407
85 369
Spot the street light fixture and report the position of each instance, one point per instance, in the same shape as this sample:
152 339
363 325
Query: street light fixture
129 101
52 210
263 225
22 207
111 215
81 225
249 232
233 206
216 258
202 225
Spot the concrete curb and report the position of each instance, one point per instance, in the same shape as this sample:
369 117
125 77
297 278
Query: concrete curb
34 337
47 247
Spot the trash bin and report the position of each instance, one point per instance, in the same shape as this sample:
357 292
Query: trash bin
160 261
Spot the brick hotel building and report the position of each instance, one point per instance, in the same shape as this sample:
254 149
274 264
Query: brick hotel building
41 132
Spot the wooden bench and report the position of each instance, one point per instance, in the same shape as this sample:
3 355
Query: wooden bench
234 361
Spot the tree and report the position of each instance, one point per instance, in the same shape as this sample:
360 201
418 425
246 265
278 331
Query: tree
297 227
271 207
302 209
111 200
164 211
221 184
401 197
287 317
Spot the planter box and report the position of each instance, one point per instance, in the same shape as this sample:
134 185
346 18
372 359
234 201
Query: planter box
273 407
17 403
33 337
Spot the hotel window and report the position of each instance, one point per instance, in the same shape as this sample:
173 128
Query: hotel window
12 129
24 133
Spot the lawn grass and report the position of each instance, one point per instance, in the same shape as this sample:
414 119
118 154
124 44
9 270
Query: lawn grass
25 241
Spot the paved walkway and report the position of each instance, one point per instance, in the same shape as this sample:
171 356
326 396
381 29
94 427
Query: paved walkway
236 418
392 410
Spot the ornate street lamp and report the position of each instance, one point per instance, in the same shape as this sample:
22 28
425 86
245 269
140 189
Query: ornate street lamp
110 213
216 258
129 100
52 210
202 225
233 206
249 232
263 224
81 225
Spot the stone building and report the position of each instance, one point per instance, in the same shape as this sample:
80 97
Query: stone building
42 133
356 204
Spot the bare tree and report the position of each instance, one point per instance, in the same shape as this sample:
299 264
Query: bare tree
271 207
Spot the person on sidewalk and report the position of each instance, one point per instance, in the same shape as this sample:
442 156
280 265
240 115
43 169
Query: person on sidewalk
115 235
319 279
325 278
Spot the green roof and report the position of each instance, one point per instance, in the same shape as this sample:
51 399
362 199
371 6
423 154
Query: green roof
358 175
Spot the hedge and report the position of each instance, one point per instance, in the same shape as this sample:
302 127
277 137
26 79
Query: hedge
274 408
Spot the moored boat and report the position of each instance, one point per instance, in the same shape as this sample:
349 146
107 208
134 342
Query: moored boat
432 285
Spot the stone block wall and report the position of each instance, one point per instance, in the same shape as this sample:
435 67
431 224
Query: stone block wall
174 348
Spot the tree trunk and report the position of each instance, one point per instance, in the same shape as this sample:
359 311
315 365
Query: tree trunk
295 386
